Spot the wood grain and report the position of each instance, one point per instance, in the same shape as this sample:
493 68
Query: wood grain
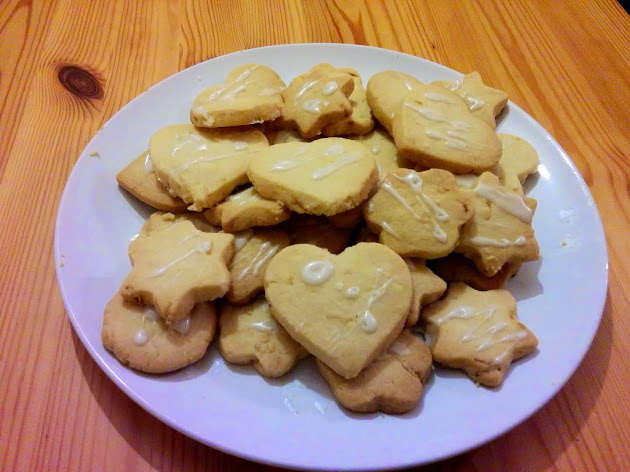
565 63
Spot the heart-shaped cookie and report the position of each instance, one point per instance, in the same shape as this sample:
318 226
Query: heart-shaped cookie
346 309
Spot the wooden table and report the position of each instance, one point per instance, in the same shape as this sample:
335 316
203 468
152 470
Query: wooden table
66 67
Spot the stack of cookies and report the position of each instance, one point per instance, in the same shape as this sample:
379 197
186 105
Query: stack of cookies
373 228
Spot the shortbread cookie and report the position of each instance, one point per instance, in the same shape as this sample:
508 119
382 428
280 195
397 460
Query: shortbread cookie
139 179
286 136
360 120
178 267
518 160
325 177
255 249
245 209
200 166
386 92
251 94
384 151
317 98
458 268
419 214
477 332
444 134
427 288
344 309
500 230
160 220
393 383
140 338
250 335
318 231
484 102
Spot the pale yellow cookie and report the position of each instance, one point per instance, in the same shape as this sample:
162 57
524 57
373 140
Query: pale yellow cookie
360 120
139 179
427 288
255 248
419 214
250 335
140 338
500 230
178 267
477 332
350 218
384 151
444 134
325 177
484 102
286 136
201 166
518 160
393 383
318 231
316 99
245 209
251 94
458 268
160 220
386 92
346 309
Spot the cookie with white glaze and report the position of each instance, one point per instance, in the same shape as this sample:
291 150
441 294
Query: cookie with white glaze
160 220
245 209
346 309
318 231
419 214
203 166
317 99
427 288
458 268
360 120
251 94
393 383
500 230
139 179
250 335
477 332
255 248
518 161
444 134
325 177
483 101
140 338
176 268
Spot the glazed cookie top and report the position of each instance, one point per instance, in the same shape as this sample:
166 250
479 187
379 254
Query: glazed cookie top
325 177
343 309
360 120
419 214
203 166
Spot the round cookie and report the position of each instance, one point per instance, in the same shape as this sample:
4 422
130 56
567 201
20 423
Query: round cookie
393 383
344 309
250 335
419 214
325 177
203 166
140 338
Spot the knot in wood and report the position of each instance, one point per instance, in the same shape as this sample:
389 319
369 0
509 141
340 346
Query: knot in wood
80 82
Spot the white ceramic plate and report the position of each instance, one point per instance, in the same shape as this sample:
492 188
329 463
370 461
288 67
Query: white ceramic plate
295 421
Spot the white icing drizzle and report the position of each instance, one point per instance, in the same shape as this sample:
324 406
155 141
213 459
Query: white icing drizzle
148 164
367 320
270 91
140 337
438 97
334 150
376 149
407 84
325 171
201 111
182 326
452 139
314 105
240 145
475 103
171 192
352 292
241 238
266 326
232 94
150 314
330 88
194 234
483 241
388 229
339 286
510 202
244 196
415 182
457 84
203 248
317 272
428 113
246 73
463 312
466 180
399 348
266 251
288 164
200 160
307 86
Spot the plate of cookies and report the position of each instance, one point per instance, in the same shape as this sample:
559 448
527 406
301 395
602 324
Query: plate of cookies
331 256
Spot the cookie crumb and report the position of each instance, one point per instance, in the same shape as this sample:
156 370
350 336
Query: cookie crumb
95 154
